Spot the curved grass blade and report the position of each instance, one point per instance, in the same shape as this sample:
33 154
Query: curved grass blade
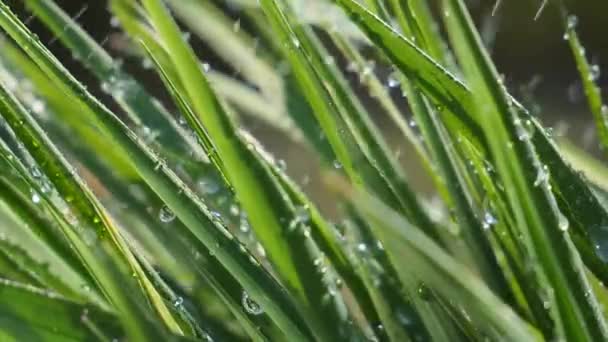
127 92
85 208
235 47
16 63
323 234
402 316
42 228
589 74
256 190
378 91
384 177
164 182
424 72
440 86
439 271
37 274
506 236
64 320
165 250
534 206
459 197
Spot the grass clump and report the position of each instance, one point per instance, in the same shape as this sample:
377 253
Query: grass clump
143 223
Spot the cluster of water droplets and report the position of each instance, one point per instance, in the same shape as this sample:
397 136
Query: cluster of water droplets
117 85
542 176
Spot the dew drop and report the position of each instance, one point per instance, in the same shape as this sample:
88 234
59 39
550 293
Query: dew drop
594 71
244 226
572 21
281 164
337 164
208 186
35 197
367 70
542 176
251 306
234 209
562 222
489 220
393 80
424 292
178 302
361 248
114 22
599 236
301 213
295 41
36 172
38 106
166 215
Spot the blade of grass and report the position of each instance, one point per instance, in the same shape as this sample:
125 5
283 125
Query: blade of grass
440 144
164 182
576 305
127 92
589 74
86 209
384 177
427 74
45 231
439 270
20 319
254 186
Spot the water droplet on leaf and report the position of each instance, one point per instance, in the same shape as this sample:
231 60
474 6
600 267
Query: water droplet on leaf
166 215
488 220
251 306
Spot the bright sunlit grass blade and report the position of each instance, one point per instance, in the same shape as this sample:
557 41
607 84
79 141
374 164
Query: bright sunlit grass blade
179 199
146 112
254 186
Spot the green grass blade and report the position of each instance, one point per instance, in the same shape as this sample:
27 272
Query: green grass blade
253 184
84 207
440 144
41 227
127 92
171 255
381 174
442 87
427 74
164 182
534 205
440 271
64 320
589 74
378 91
234 46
